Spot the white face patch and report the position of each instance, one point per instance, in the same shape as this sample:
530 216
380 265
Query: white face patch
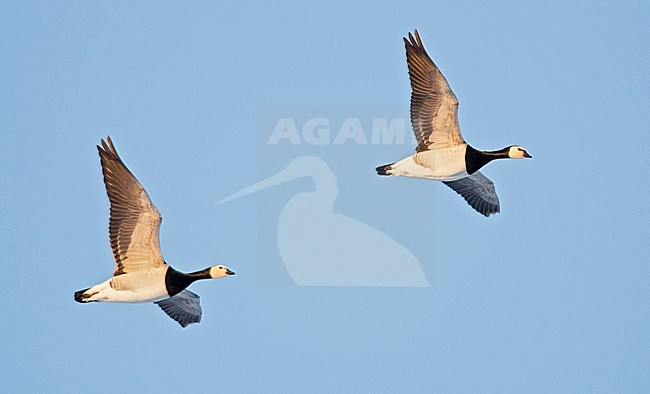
516 152
218 271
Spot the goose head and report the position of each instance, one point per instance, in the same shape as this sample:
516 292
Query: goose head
518 152
219 271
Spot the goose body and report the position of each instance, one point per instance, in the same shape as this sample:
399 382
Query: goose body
442 153
140 286
141 274
444 164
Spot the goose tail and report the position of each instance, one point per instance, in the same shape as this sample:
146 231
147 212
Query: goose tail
79 295
383 170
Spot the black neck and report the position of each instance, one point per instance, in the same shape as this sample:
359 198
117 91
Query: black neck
176 281
475 159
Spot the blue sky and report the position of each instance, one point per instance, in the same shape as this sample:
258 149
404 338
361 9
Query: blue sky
551 295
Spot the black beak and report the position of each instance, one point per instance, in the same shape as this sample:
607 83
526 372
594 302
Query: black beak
527 155
229 272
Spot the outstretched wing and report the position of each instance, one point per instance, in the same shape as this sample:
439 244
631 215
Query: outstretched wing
479 192
434 107
184 307
135 222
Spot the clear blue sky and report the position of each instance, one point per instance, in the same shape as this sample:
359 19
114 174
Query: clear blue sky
551 295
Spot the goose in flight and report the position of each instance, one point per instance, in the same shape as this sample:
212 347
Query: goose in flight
442 154
141 273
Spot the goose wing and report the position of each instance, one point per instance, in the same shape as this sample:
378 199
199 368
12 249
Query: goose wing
184 307
434 107
479 192
135 222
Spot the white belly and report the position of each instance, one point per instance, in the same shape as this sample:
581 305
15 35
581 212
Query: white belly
141 286
142 295
446 164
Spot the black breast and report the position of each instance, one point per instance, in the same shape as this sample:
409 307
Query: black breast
175 281
475 159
